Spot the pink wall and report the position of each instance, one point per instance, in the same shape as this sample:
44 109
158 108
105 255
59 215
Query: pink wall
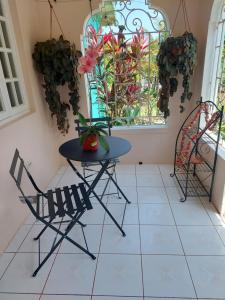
34 134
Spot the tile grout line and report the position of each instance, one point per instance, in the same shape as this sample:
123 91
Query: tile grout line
139 227
179 238
99 249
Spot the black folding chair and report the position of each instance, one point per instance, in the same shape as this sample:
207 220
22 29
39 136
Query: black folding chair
89 166
70 202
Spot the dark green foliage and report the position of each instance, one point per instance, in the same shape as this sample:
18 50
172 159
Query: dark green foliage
177 55
57 61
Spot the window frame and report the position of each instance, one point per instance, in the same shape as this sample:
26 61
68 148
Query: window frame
11 112
87 89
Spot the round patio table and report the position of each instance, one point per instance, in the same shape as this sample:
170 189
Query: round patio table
72 151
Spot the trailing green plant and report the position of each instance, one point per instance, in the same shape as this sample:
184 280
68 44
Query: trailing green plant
177 55
93 129
57 61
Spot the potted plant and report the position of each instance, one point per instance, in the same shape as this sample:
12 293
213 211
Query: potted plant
57 61
177 55
92 135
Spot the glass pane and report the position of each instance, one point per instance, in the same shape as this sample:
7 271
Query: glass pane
18 93
4 64
12 65
11 95
5 34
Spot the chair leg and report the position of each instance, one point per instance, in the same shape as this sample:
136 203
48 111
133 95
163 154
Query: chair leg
114 171
41 232
63 236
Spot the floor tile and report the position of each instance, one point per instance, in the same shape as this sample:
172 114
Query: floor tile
208 275
128 180
221 232
19 297
151 195
125 168
71 274
131 215
147 168
156 214
149 180
114 242
93 236
94 216
166 276
166 168
18 238
174 193
18 277
201 240
150 298
115 298
168 180
5 259
160 240
29 245
130 193
212 212
64 297
118 275
190 213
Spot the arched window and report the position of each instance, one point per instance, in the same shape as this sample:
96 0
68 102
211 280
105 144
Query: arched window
214 70
124 83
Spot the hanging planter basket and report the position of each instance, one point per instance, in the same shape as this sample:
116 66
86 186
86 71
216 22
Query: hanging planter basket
57 61
177 57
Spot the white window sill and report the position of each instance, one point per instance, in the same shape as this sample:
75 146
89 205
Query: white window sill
21 112
141 129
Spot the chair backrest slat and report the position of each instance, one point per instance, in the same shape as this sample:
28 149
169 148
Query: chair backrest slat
77 198
68 200
59 200
20 172
85 196
51 207
14 163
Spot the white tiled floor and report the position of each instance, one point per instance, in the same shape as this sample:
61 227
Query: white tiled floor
172 250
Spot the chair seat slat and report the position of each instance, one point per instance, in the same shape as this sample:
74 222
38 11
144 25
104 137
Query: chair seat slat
77 198
68 200
85 196
59 200
51 207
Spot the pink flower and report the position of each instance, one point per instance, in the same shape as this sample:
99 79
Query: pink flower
92 52
82 69
86 64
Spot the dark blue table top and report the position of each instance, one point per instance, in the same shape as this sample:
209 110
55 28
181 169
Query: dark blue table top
72 150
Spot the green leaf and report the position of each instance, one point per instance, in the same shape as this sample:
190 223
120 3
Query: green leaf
103 143
82 119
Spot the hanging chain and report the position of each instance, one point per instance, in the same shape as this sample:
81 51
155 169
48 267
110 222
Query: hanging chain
52 11
90 4
186 20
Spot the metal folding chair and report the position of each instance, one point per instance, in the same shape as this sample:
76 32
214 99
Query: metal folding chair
52 207
89 168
